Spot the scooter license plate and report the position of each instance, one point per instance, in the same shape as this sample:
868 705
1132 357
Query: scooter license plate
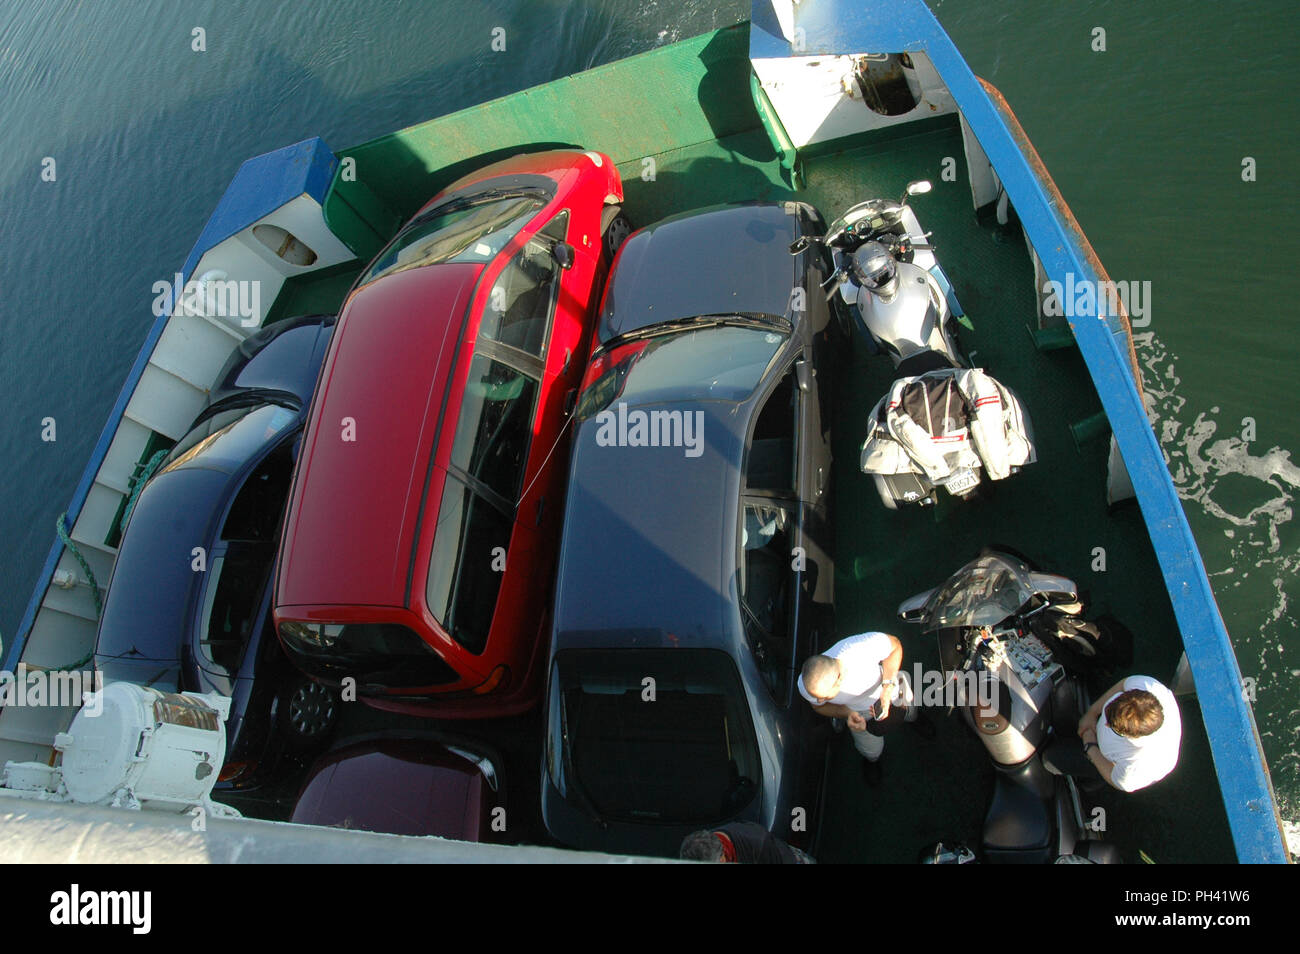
962 481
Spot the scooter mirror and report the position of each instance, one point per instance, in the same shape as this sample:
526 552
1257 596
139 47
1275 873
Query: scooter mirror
913 610
1056 589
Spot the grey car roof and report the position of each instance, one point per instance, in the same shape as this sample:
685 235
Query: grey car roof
648 553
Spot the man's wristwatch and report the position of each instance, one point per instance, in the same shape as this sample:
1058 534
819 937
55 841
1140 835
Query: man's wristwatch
1088 745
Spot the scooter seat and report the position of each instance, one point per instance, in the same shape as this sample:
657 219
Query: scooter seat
1017 827
921 363
903 488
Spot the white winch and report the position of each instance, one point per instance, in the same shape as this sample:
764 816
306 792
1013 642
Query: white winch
134 747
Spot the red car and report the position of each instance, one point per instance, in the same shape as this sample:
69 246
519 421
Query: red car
420 540
405 785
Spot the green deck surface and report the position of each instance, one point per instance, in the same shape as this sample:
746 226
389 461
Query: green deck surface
1054 512
662 101
694 118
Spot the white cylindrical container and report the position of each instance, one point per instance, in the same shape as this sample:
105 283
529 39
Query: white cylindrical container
141 746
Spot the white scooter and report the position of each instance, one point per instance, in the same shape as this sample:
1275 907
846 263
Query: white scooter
889 281
1012 644
943 423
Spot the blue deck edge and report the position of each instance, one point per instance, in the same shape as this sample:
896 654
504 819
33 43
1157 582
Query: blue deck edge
859 26
260 186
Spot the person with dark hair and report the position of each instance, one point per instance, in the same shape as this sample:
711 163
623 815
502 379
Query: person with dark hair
1132 732
859 680
745 843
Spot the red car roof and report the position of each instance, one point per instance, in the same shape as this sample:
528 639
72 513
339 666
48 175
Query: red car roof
353 516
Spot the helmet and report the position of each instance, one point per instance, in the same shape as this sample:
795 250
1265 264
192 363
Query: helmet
875 269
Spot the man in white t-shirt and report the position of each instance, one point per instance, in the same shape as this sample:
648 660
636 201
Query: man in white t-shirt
858 680
1132 732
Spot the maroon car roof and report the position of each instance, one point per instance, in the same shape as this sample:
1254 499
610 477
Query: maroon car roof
355 505
402 788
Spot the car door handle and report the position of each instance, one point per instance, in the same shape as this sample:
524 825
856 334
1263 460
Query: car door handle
541 506
568 357
821 480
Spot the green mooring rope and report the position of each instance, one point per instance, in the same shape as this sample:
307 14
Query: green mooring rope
61 528
138 481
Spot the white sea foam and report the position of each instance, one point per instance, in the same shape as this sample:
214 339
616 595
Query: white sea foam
1199 460
1201 454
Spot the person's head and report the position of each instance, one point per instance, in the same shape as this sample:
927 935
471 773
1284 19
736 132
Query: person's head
821 677
1135 713
702 846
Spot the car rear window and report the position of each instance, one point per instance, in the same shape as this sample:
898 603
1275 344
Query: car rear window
661 736
469 230
388 655
468 561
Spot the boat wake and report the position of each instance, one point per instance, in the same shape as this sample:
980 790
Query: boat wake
1248 495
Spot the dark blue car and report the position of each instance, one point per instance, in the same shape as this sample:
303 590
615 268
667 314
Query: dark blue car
189 603
695 571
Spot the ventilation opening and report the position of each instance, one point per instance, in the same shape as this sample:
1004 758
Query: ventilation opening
284 244
888 82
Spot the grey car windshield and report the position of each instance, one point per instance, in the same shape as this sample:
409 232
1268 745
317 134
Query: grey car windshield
714 362
686 755
464 231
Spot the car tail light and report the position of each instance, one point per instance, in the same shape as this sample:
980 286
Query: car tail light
316 635
233 771
603 380
598 366
499 677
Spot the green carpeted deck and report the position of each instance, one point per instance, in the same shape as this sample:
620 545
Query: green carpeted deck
1054 512
694 119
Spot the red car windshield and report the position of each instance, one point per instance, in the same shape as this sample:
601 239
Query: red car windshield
474 229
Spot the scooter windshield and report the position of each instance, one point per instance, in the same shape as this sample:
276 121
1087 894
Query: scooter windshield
982 593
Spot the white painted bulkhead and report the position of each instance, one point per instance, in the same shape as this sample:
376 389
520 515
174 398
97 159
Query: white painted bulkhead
169 394
817 99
